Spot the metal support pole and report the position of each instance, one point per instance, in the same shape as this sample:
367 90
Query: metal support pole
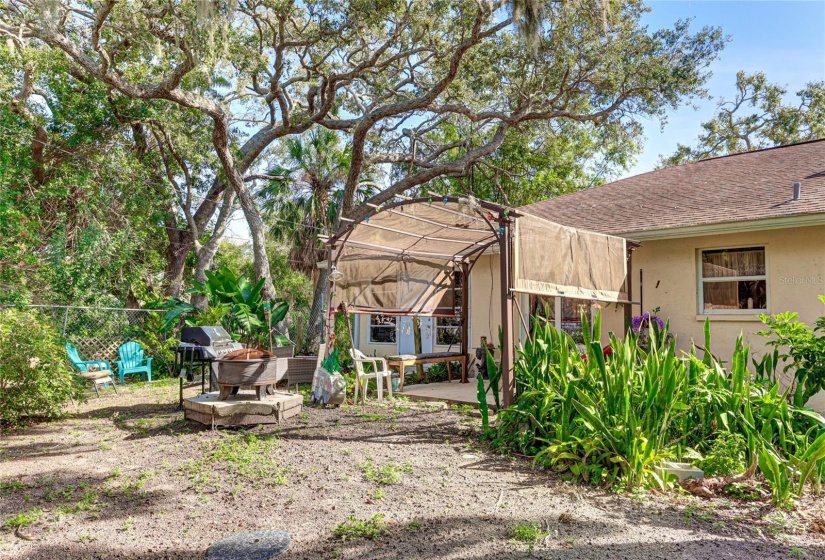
508 382
628 307
65 321
465 319
329 321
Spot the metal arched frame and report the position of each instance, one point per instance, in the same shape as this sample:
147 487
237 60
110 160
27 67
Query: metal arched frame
501 236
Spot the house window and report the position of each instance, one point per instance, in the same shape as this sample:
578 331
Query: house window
383 329
571 313
733 281
447 331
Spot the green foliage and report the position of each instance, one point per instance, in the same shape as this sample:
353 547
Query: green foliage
244 457
157 343
801 348
35 375
483 408
353 529
529 534
24 519
383 475
726 455
611 420
237 303
757 118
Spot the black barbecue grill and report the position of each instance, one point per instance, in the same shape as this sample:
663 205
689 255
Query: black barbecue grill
199 347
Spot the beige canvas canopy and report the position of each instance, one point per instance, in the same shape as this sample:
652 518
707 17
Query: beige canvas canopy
401 259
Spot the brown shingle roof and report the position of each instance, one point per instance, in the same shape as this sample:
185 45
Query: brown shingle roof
749 186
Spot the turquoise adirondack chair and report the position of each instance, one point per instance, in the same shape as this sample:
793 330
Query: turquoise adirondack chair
102 374
132 361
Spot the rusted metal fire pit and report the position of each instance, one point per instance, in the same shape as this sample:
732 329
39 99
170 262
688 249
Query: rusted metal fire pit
249 368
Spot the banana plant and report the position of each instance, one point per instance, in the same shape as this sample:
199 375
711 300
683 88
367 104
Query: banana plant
234 301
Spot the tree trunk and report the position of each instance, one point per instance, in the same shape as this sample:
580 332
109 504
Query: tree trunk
220 140
176 253
318 308
206 253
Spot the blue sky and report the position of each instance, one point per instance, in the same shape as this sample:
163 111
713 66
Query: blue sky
784 39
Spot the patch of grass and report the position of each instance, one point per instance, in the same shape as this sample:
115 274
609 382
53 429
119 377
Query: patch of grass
744 492
136 485
779 523
245 456
86 504
414 525
378 494
527 533
390 473
116 472
696 512
371 417
23 519
8 488
126 525
353 529
797 552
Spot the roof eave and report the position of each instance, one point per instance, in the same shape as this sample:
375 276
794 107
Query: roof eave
780 222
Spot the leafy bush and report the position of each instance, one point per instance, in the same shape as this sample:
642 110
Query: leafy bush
611 420
801 348
725 457
234 302
35 377
159 344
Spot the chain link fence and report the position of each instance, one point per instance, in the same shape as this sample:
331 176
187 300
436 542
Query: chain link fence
97 332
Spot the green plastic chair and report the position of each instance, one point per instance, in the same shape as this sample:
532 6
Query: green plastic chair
132 361
102 375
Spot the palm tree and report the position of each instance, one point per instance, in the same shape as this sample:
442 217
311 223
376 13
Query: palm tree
305 202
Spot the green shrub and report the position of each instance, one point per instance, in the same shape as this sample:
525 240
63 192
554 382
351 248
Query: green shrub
725 457
35 375
802 351
353 529
159 344
610 420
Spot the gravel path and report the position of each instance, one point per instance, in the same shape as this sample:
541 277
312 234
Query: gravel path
127 477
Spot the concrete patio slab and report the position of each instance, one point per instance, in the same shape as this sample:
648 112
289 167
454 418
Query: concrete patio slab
453 392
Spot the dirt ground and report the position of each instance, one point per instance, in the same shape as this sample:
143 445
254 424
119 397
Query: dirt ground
126 477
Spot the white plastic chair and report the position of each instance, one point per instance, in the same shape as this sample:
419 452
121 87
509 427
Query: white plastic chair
380 373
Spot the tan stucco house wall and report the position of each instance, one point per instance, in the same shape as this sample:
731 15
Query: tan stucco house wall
795 266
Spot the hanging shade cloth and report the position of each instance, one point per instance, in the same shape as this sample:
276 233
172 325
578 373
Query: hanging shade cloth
396 285
402 259
555 260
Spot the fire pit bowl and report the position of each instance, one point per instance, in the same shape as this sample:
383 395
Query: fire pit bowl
260 373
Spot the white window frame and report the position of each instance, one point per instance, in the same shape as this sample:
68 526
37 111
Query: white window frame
457 310
446 327
370 326
700 301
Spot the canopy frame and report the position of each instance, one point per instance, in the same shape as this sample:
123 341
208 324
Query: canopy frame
470 244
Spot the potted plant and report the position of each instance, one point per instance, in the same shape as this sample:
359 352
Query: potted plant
641 324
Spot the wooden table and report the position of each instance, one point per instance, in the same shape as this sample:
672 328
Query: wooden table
403 360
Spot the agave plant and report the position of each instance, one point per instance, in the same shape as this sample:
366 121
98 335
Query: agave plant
234 302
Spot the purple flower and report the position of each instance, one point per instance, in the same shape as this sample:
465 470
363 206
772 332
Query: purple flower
642 321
